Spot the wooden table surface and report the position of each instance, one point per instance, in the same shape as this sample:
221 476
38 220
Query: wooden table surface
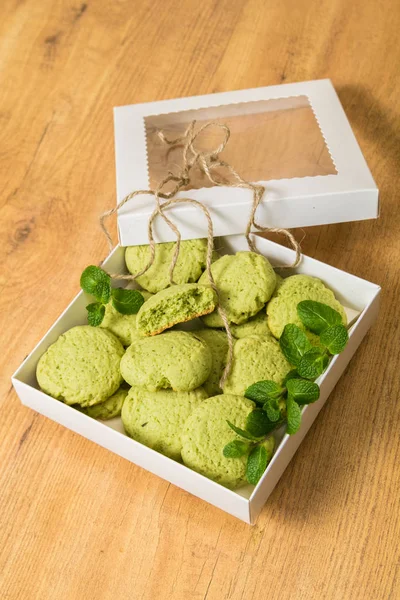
77 522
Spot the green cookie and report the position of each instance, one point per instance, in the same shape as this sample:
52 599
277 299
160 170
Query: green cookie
257 325
176 359
205 434
245 282
156 419
217 341
190 265
110 408
255 358
282 308
123 326
176 304
82 366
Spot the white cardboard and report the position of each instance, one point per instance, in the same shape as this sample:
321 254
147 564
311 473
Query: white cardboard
349 195
245 503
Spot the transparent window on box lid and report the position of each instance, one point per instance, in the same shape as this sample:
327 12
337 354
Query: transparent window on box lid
269 140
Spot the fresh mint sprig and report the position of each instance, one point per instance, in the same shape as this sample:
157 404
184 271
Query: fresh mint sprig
312 364
263 389
258 423
317 316
244 434
335 338
277 404
97 283
256 464
126 302
293 415
236 449
293 374
302 391
273 410
321 319
294 343
96 312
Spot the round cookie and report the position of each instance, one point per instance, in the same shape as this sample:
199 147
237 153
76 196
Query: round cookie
257 325
255 358
110 408
176 359
217 341
190 265
122 326
282 308
156 419
82 366
205 434
245 282
176 304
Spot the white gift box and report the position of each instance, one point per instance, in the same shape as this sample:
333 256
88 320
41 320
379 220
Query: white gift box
359 296
294 139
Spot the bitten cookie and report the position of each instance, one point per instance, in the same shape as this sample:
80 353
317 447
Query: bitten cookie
217 341
190 265
176 359
282 308
122 326
156 419
205 434
176 304
110 408
245 282
82 366
255 358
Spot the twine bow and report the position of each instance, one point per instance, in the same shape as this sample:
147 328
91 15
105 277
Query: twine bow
207 162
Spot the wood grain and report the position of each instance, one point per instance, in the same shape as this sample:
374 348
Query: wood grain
78 523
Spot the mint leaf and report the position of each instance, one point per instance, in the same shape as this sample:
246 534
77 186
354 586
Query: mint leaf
96 312
256 464
272 410
97 283
303 391
293 374
258 423
293 416
312 364
127 302
317 316
235 449
244 434
335 338
294 343
261 391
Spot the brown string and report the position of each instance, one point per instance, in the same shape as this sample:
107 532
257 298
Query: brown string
210 249
207 162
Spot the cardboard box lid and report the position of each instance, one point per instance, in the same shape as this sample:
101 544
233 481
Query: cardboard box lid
294 139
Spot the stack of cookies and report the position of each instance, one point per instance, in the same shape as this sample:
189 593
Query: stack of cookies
163 378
